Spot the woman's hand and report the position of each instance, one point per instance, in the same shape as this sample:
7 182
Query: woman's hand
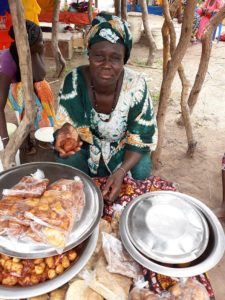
67 141
113 186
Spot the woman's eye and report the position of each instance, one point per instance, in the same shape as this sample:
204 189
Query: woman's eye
99 57
116 58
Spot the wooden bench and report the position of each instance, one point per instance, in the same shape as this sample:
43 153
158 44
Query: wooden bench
65 44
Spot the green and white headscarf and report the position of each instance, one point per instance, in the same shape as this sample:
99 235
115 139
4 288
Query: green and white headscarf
106 27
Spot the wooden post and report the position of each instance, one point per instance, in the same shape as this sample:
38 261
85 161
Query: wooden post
124 9
59 60
90 11
23 49
117 4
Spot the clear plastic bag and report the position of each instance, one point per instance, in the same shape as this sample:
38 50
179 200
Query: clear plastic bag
140 291
48 218
33 185
117 211
188 289
119 261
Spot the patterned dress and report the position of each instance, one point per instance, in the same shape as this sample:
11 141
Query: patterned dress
130 126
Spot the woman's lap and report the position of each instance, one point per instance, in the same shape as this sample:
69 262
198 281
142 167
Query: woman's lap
143 168
79 160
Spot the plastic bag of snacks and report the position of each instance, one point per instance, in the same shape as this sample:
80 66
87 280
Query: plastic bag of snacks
188 289
30 186
48 218
119 261
140 291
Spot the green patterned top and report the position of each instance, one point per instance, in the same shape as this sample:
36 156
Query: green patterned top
132 125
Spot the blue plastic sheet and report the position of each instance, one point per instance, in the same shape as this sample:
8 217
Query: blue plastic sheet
4 7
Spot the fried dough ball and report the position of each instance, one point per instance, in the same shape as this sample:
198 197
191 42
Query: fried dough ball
65 262
59 269
39 269
51 273
69 144
72 255
9 280
50 262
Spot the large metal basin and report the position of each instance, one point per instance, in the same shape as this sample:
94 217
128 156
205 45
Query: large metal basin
210 257
82 229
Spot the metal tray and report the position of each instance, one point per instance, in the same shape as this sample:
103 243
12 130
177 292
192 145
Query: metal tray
90 217
166 228
50 285
210 257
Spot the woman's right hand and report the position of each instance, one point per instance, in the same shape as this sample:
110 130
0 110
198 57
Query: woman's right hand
67 141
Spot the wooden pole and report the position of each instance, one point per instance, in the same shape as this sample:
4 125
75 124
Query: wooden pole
17 13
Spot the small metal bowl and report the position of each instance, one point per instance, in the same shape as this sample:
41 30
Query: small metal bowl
166 228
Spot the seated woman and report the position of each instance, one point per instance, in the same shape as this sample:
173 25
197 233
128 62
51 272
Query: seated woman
206 11
106 108
11 86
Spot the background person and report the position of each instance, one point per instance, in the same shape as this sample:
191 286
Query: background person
206 11
106 108
11 85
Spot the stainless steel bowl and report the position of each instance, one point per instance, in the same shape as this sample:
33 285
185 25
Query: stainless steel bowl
166 228
82 229
50 285
209 258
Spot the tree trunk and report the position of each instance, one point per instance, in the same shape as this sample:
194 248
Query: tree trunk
124 9
166 34
171 70
8 155
205 56
59 60
96 3
133 5
90 11
117 4
151 41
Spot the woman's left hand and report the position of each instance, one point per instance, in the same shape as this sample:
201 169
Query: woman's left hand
113 186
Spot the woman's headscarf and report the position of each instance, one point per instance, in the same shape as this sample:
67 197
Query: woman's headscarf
106 27
33 33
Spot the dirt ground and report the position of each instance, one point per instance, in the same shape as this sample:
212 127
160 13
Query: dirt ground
200 176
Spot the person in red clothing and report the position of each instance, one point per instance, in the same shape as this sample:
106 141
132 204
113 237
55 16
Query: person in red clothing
206 11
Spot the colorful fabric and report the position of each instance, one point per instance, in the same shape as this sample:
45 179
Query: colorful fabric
112 29
8 65
4 7
196 20
31 10
132 125
44 101
212 9
130 190
159 283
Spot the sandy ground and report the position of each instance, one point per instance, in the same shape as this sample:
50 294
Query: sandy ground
200 176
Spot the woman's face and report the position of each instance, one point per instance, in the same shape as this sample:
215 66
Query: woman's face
106 62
